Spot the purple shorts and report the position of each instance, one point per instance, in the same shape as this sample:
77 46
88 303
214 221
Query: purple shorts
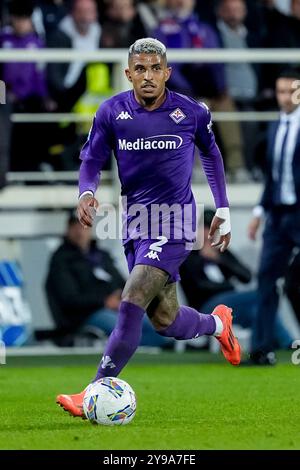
162 254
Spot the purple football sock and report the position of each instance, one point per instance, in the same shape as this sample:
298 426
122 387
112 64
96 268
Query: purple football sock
190 324
123 341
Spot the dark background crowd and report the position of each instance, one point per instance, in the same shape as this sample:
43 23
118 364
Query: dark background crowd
79 87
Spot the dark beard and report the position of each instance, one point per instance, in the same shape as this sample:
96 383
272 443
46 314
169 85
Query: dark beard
149 101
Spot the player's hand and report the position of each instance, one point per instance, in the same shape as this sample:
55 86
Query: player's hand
86 210
220 239
253 227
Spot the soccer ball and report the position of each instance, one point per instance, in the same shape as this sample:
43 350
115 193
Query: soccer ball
109 401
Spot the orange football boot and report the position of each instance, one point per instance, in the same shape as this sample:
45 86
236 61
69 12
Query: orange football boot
229 344
73 404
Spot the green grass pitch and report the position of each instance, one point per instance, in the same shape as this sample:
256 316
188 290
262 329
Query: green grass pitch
185 401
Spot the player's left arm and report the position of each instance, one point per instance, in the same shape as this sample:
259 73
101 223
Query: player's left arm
213 167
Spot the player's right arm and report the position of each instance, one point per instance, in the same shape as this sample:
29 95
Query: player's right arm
94 155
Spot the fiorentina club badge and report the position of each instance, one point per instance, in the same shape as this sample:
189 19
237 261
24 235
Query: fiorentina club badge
177 115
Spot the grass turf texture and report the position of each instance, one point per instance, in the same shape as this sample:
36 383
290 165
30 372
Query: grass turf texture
184 402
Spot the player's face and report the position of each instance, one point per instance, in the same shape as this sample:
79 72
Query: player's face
284 94
148 74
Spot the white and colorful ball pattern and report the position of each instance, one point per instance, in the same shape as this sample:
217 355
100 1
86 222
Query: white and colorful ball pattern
109 401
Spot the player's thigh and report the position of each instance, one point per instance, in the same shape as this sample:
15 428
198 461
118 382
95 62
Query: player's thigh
144 283
164 307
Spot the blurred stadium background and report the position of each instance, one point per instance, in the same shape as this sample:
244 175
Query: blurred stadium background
53 89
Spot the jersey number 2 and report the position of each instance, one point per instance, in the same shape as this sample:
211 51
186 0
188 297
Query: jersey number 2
156 246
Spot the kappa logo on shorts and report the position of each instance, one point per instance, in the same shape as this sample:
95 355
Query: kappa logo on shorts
156 247
177 115
152 255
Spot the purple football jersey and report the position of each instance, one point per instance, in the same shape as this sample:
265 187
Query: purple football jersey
154 152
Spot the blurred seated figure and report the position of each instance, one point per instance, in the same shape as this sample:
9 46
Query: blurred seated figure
26 87
180 28
84 287
209 278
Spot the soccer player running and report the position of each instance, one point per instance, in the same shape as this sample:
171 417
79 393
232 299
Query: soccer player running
153 132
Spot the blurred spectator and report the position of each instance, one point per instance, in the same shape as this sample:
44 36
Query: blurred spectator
281 204
47 14
210 277
2 13
283 30
79 30
26 84
180 28
149 11
26 87
76 86
82 279
84 287
241 78
122 25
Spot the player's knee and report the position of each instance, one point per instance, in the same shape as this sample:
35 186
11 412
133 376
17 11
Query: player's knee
138 295
136 298
162 319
